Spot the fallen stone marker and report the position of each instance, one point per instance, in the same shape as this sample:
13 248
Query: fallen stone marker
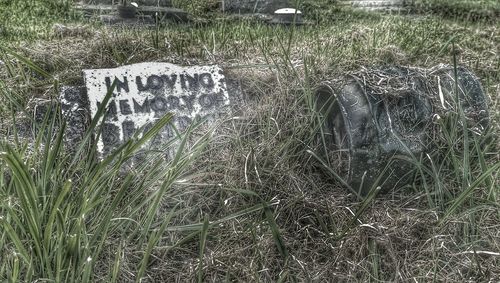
374 116
144 93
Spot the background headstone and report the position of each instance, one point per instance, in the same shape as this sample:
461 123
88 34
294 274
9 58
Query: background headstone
379 5
254 6
161 3
148 11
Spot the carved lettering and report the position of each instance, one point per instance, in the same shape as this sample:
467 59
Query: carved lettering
125 107
220 99
170 81
111 134
159 104
206 100
155 82
110 110
173 102
190 82
128 127
140 86
206 80
144 108
119 84
188 100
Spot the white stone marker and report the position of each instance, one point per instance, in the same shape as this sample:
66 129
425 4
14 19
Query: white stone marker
145 92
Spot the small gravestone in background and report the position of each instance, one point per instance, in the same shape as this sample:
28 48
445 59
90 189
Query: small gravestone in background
254 6
287 16
145 92
148 12
160 3
380 5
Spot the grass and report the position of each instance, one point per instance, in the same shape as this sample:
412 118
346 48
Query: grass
482 10
24 20
253 204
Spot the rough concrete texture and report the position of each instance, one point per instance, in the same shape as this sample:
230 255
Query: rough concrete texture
74 105
43 112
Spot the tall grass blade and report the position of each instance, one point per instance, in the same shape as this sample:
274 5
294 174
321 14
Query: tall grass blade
198 226
331 171
11 233
26 61
203 243
153 241
457 203
280 244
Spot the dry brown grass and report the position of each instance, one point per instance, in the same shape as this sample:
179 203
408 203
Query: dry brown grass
398 238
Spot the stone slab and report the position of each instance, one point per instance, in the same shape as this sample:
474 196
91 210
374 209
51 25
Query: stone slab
146 92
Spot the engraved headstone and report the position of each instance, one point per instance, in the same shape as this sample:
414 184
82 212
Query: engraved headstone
145 92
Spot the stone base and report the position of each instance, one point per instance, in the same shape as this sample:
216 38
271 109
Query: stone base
286 23
117 20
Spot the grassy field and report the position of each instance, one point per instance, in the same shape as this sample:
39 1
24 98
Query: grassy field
248 202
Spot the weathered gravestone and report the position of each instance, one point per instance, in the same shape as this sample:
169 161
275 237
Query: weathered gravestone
160 3
144 93
147 13
287 16
379 5
254 6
